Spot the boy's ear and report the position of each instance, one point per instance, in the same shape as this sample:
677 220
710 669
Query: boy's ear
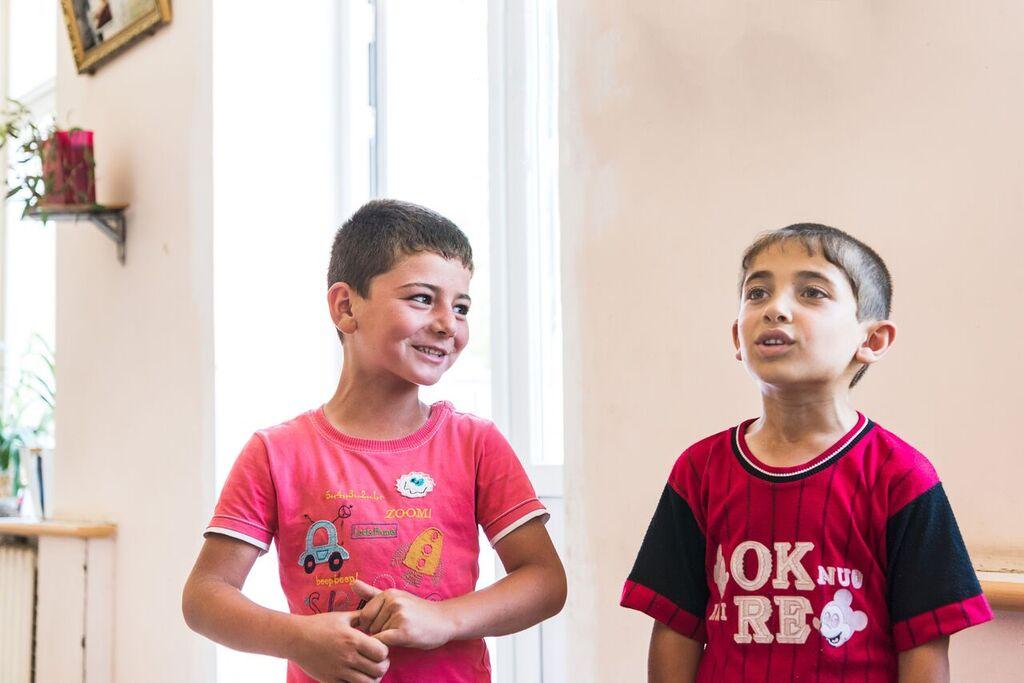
736 338
880 336
339 301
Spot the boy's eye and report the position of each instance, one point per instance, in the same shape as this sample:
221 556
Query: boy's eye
421 298
461 309
755 293
815 293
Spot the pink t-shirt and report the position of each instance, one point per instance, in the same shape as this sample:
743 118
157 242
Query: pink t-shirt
395 514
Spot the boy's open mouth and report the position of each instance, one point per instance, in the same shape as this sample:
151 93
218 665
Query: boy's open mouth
431 351
773 338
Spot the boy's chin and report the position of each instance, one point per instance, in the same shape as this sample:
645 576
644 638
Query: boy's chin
793 381
423 379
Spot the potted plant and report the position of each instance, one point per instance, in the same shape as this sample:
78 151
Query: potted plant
26 423
49 167
10 481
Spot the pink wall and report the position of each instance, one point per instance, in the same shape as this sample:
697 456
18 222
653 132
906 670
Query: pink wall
688 127
135 342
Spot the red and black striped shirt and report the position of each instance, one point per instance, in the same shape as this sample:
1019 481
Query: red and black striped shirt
823 571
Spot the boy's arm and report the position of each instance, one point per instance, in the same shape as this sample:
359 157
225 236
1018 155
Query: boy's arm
533 590
672 656
326 646
928 663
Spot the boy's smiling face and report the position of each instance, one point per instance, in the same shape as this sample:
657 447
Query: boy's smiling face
413 323
797 324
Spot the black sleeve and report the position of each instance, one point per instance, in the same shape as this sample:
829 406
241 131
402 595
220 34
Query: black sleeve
671 561
928 564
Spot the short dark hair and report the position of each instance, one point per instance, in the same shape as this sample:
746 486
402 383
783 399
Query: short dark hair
382 232
864 268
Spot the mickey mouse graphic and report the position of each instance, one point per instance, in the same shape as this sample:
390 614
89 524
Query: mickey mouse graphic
839 621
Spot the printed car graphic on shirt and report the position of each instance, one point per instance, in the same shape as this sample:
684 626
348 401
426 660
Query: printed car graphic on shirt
331 552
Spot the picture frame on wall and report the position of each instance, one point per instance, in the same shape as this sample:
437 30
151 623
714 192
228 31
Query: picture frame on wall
101 29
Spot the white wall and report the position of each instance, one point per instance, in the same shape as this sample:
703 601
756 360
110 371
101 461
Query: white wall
688 127
135 343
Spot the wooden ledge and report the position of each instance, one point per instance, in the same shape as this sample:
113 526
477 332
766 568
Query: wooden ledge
1004 590
58 211
25 526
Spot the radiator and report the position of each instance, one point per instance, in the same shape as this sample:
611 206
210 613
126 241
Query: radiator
17 612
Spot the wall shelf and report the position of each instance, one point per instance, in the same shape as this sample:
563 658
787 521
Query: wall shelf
107 217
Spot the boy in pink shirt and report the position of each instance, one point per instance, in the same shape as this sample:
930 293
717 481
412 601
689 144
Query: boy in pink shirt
374 498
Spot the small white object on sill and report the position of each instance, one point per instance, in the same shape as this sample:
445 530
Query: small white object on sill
37 473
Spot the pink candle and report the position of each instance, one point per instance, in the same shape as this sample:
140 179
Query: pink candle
68 168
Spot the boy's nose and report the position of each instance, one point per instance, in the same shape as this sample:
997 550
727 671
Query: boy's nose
777 313
444 324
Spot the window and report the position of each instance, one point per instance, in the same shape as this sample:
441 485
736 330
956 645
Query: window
431 100
450 104
27 248
465 122
527 327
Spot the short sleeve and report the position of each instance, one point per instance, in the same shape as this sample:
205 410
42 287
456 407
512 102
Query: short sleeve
669 581
505 499
247 509
932 588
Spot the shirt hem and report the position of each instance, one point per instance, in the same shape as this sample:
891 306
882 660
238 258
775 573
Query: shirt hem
239 535
539 512
940 622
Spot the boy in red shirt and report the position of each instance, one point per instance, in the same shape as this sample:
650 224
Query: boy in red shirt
374 499
809 543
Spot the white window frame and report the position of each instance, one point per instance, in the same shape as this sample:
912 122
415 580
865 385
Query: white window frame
521 235
378 99
5 61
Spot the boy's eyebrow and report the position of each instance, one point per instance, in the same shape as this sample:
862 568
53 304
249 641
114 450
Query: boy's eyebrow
814 275
802 275
758 275
435 289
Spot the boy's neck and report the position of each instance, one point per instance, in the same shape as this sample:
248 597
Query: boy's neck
368 407
795 429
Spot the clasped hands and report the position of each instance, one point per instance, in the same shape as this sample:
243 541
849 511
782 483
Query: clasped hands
400 619
354 646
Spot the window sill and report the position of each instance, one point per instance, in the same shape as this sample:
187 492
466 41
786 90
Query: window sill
27 526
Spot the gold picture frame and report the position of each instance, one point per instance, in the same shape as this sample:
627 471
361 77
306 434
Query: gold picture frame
102 29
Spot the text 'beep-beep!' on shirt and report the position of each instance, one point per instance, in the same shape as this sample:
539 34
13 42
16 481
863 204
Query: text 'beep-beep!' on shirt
823 571
402 513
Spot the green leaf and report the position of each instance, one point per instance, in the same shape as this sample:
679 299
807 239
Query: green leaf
31 376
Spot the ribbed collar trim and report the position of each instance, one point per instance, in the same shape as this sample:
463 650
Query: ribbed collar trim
439 412
832 454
